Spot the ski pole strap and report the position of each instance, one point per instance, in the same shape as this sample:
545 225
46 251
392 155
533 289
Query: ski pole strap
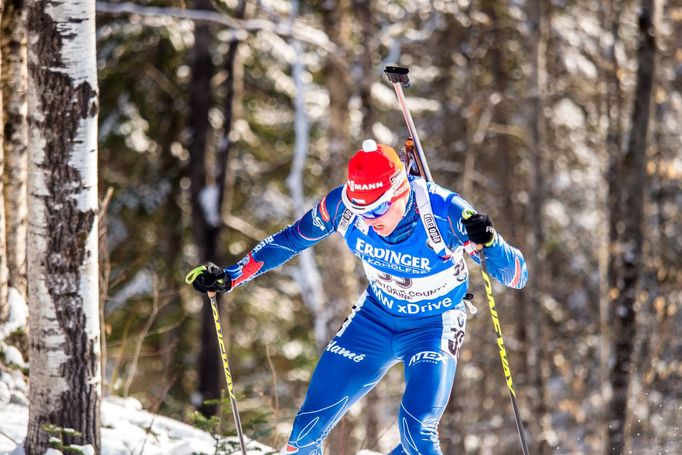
194 273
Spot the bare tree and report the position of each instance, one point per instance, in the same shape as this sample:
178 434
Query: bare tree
209 164
364 15
14 76
65 377
626 221
339 264
4 307
613 109
205 219
539 29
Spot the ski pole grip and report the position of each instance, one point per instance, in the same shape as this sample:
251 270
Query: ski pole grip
398 74
466 214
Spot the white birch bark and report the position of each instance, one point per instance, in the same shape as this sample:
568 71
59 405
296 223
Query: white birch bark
63 291
14 77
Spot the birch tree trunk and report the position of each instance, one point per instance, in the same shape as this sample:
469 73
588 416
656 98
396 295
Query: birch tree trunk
65 379
625 259
14 77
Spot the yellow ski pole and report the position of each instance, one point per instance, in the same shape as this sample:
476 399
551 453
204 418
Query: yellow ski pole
500 341
226 370
223 354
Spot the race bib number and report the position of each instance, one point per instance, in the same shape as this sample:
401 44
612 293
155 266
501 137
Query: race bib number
454 329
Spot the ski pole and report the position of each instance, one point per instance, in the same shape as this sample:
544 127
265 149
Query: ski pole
191 276
500 341
226 370
398 76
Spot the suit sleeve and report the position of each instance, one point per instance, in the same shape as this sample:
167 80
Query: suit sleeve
505 263
315 225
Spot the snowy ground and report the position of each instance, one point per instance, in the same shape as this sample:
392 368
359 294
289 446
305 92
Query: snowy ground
128 429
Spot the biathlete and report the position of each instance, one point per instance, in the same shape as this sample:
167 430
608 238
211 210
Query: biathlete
411 237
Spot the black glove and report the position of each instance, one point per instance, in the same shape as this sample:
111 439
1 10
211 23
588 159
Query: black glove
209 278
480 229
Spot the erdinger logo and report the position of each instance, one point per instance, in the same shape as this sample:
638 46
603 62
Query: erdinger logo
387 255
431 228
364 186
427 356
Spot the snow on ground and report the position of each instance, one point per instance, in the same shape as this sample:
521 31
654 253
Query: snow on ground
13 387
18 314
127 429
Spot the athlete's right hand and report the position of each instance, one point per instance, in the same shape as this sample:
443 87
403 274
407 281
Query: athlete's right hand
208 277
479 228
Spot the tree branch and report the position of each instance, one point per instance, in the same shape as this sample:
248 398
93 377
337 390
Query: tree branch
242 28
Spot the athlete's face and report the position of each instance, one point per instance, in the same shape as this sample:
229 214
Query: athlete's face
386 224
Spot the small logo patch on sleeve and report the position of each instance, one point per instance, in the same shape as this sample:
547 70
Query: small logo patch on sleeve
249 268
323 209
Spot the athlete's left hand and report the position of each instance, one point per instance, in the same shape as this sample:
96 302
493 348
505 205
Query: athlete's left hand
209 278
480 229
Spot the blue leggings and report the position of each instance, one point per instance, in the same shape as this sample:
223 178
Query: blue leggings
367 345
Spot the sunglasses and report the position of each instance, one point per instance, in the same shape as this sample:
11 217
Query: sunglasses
377 212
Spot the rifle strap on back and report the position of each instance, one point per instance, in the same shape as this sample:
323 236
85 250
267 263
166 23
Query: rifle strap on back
435 239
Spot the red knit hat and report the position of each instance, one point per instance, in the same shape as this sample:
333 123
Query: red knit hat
373 171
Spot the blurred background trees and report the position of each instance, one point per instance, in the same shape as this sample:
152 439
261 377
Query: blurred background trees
534 111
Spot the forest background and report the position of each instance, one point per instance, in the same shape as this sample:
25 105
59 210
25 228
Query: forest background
220 123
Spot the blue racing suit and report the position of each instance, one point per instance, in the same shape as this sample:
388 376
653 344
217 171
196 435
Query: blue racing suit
411 312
